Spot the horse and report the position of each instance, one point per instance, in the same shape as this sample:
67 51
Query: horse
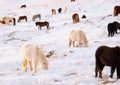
83 16
42 24
23 6
22 18
75 18
8 20
33 55
53 12
37 16
116 10
72 0
112 28
79 37
59 10
107 56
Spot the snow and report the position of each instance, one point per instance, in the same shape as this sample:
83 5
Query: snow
68 66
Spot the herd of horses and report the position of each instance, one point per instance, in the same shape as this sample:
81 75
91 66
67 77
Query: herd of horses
104 55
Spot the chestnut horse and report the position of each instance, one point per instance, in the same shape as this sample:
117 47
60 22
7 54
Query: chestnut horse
75 18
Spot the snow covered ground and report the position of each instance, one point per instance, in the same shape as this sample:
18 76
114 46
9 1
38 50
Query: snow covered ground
68 66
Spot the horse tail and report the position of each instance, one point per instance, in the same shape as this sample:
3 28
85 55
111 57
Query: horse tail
24 64
14 21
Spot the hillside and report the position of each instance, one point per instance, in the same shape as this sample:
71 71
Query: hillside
68 66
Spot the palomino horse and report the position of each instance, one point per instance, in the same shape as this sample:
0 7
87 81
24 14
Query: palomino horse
37 16
42 24
75 18
34 55
22 18
8 20
78 37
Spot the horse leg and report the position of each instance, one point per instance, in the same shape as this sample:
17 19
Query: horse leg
30 65
112 71
118 72
35 66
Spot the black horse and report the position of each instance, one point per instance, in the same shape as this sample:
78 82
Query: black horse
107 56
42 24
112 28
59 10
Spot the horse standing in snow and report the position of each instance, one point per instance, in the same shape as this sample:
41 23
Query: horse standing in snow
107 56
75 18
34 55
53 12
8 20
37 16
42 24
79 37
23 6
22 18
116 10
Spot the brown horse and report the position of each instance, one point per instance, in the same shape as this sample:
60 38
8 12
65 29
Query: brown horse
37 16
72 0
116 10
22 18
23 6
107 56
8 20
75 18
53 12
42 24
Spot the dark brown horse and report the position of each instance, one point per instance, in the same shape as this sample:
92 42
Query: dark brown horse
75 18
23 6
107 56
42 24
116 10
22 18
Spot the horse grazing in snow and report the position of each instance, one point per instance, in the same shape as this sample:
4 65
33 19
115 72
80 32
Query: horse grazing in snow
107 56
8 20
42 24
116 10
34 55
79 37
22 18
75 18
37 16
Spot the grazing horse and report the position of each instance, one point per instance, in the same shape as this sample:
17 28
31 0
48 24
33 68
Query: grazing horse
42 24
116 10
107 56
53 12
37 16
112 28
72 0
22 18
8 20
59 10
75 18
83 16
34 55
23 6
79 37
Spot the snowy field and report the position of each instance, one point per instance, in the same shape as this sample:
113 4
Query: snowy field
67 66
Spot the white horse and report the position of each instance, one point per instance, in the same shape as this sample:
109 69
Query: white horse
34 55
78 37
